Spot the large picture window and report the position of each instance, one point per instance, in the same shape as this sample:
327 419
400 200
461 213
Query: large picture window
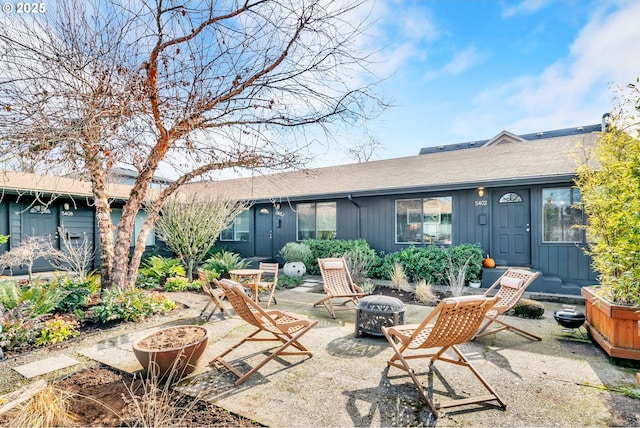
423 220
316 220
560 216
238 230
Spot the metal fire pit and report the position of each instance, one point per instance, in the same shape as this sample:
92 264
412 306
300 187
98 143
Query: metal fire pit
375 312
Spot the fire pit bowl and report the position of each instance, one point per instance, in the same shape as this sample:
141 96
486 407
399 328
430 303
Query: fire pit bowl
569 319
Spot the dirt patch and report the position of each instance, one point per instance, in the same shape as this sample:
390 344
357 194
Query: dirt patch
170 338
104 397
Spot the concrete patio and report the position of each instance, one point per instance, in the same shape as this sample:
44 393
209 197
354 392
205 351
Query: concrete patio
564 380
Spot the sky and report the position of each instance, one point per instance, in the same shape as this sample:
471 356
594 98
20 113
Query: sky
462 70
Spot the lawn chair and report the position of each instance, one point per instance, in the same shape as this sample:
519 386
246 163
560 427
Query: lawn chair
513 284
454 321
215 296
268 280
284 327
338 285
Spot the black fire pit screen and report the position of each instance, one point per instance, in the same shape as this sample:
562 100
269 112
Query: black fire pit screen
375 312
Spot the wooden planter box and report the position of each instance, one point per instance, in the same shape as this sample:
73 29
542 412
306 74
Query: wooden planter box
615 327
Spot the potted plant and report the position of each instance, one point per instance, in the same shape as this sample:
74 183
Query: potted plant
611 200
172 351
295 254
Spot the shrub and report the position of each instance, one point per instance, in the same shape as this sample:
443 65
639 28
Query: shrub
17 328
286 281
162 268
424 292
398 277
38 298
321 248
57 329
296 252
224 261
78 291
181 283
131 304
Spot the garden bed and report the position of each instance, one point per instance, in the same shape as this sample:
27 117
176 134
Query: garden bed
105 397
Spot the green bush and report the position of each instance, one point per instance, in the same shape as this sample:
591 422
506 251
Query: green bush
131 304
161 268
17 328
430 262
78 291
57 329
321 248
295 252
285 281
181 283
224 261
39 298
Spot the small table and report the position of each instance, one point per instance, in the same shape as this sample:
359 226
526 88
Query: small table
248 278
375 312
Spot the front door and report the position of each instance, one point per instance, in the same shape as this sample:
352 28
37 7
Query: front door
264 230
41 220
511 243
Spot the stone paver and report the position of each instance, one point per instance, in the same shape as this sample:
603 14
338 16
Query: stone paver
47 365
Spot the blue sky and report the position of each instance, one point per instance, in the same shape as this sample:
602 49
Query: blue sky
462 70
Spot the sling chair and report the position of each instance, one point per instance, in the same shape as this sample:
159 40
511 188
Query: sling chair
337 285
280 326
454 321
268 281
215 296
513 284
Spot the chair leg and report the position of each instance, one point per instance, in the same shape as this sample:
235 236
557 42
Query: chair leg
504 326
286 340
404 365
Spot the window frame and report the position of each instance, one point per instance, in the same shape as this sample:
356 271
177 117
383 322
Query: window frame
425 217
316 222
234 229
545 197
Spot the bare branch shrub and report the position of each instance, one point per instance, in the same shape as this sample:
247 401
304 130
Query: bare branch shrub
75 255
29 250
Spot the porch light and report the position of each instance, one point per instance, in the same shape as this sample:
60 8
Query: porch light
480 192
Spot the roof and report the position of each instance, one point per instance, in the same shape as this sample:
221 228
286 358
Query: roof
505 162
55 185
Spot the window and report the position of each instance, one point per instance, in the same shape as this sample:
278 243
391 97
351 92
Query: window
316 220
423 220
238 230
141 216
510 198
560 215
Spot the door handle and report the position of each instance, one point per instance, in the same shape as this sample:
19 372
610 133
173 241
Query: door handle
528 229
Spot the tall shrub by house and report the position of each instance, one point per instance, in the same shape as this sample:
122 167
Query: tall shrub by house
610 190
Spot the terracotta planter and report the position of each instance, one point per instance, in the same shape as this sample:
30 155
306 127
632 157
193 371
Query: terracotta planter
163 351
615 327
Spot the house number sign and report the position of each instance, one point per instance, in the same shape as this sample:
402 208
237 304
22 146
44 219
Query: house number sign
481 203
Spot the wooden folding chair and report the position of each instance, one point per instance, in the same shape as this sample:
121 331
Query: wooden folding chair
338 285
513 284
454 321
215 296
282 327
268 281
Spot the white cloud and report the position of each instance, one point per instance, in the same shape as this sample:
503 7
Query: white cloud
461 62
524 8
575 90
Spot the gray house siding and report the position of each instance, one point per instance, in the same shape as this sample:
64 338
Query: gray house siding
564 266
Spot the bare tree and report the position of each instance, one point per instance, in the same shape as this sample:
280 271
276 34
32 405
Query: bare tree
193 85
191 227
364 151
75 255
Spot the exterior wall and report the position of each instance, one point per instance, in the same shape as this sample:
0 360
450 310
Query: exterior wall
564 266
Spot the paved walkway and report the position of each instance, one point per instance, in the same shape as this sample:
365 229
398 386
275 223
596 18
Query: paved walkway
563 380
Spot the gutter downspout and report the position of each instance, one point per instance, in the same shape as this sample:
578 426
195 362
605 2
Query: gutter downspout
350 198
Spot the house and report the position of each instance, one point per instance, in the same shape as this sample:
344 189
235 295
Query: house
512 194
38 205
